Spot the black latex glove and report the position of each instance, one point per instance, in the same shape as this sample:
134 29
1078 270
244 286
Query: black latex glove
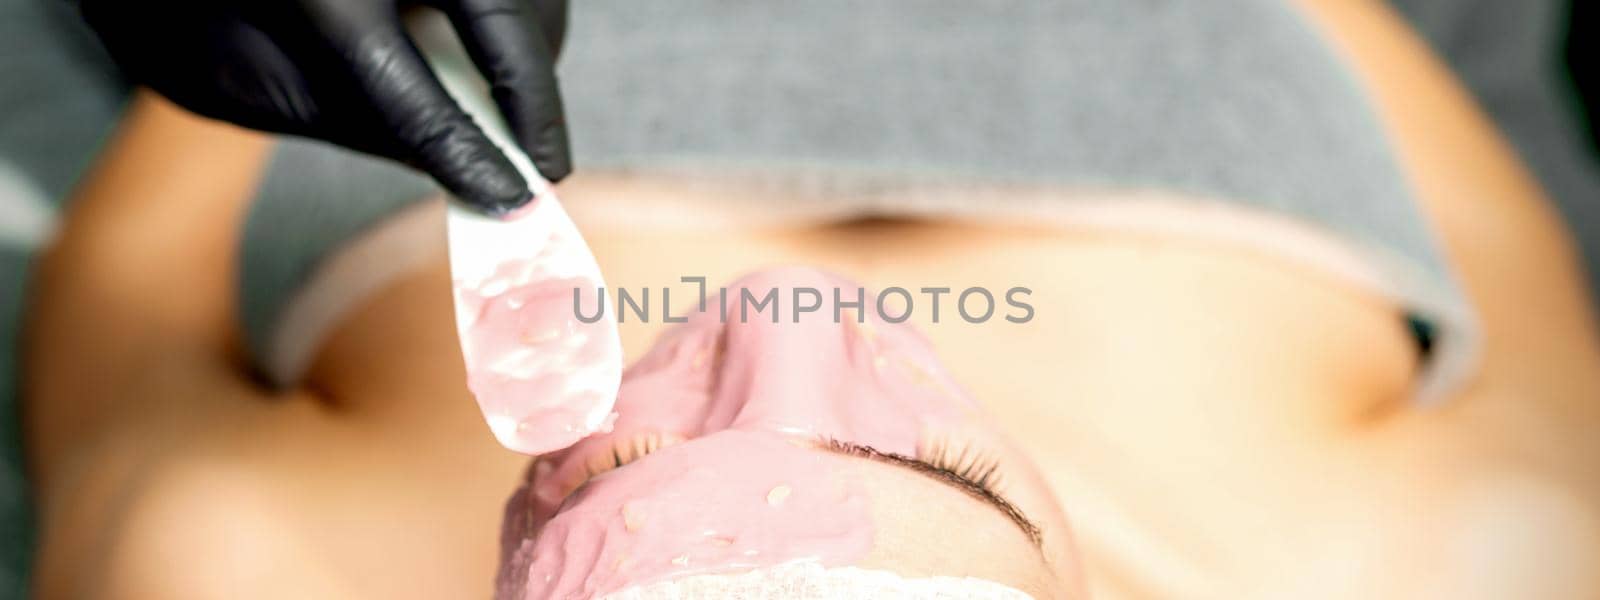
345 71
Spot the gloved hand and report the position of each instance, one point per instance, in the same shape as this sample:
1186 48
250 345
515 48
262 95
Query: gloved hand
345 71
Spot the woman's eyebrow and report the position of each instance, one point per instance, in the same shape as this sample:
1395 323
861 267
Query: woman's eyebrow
943 475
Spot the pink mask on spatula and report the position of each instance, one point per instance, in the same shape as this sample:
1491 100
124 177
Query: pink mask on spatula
524 287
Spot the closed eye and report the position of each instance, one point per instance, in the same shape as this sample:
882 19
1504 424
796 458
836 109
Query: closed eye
975 478
621 452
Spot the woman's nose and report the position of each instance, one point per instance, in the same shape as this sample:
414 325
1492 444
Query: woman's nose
790 364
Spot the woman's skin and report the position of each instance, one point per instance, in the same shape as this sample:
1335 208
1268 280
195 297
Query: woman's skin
1214 421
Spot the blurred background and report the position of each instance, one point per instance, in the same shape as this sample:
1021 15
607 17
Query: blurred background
1531 63
1583 24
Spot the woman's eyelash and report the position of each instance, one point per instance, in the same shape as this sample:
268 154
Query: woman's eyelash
622 452
964 459
961 465
625 451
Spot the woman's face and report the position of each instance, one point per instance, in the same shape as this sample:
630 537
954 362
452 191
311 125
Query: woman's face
742 443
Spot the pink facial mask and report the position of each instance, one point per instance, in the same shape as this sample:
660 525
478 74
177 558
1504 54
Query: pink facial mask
728 413
543 376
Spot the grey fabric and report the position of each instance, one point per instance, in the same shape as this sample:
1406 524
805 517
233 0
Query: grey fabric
314 197
1232 100
60 92
1226 98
